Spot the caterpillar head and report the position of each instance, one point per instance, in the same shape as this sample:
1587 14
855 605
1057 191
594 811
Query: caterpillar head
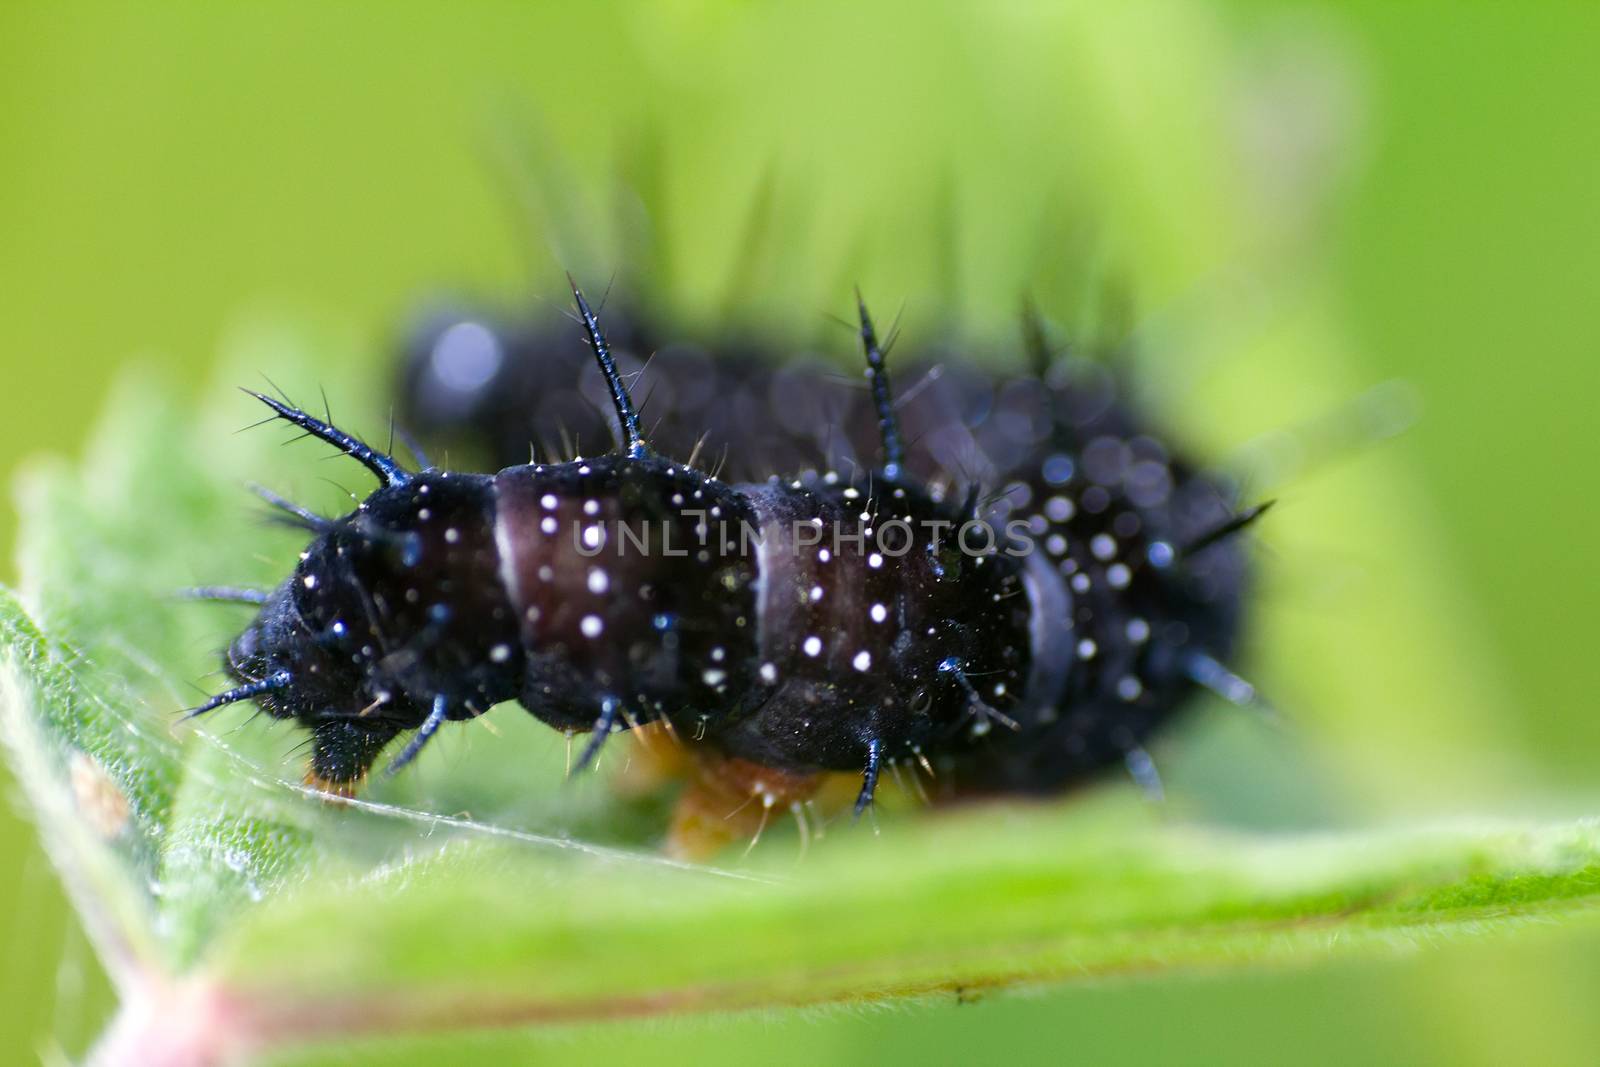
443 594
388 607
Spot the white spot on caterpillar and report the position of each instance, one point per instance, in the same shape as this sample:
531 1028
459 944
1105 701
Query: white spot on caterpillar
813 646
769 673
598 581
862 661
548 501
591 626
1087 648
879 613
548 524
500 653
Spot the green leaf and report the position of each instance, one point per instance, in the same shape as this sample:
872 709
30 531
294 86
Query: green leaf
482 890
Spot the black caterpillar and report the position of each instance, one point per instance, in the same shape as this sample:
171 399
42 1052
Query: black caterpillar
1010 647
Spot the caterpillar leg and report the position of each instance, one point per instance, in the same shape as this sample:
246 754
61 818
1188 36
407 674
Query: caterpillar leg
729 800
869 777
342 752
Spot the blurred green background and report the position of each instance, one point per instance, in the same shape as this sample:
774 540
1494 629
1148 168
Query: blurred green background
1305 199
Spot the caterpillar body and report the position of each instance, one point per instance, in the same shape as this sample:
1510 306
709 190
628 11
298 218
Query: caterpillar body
775 627
1041 438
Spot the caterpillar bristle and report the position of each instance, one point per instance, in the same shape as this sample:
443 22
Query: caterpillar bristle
1142 769
632 440
1225 529
299 516
226 594
1207 671
248 691
893 454
387 469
